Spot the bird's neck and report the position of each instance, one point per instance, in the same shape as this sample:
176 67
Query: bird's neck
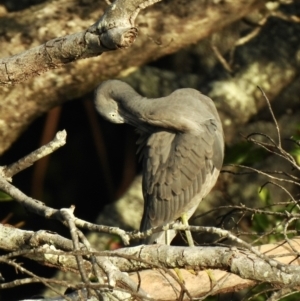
132 103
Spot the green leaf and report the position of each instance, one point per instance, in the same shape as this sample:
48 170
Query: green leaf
244 153
264 195
4 197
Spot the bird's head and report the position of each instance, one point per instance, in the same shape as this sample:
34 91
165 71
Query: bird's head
106 103
117 102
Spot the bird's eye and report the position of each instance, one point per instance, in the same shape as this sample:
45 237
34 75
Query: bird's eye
113 115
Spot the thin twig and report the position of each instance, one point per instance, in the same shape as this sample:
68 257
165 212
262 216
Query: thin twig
262 173
69 217
42 280
41 209
96 269
58 141
273 116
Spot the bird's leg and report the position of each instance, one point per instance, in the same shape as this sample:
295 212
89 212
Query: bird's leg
189 238
169 235
167 238
188 234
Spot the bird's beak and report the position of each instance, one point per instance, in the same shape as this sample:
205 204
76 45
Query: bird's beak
134 121
120 120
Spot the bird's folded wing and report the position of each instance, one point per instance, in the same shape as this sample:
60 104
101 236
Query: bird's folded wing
176 167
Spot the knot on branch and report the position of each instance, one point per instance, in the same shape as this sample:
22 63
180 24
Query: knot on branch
115 38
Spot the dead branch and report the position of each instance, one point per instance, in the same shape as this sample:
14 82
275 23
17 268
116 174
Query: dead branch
58 141
231 267
114 30
184 27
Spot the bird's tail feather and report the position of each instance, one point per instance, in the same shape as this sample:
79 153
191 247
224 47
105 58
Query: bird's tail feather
145 225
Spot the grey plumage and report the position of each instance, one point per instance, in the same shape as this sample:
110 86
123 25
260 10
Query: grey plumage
181 144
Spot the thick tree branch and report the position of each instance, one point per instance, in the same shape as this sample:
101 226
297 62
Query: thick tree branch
114 30
231 268
158 36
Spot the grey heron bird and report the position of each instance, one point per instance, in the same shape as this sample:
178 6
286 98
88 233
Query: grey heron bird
181 144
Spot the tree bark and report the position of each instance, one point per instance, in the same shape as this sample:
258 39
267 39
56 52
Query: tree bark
187 23
218 269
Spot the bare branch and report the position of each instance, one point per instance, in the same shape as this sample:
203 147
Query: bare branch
183 28
35 277
265 173
41 209
273 116
114 30
58 141
238 261
69 217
